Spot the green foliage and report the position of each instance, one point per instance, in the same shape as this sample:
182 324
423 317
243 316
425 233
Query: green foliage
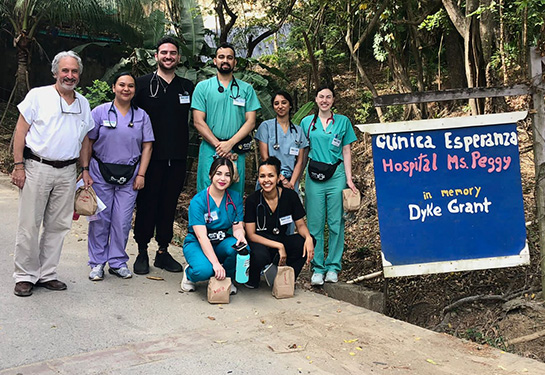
100 92
477 336
367 106
302 112
437 21
394 113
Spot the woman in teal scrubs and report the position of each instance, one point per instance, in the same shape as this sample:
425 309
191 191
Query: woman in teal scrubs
214 213
330 136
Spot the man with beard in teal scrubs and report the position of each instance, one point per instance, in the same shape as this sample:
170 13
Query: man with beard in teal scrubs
224 113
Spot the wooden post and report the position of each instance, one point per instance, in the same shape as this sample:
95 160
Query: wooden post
538 122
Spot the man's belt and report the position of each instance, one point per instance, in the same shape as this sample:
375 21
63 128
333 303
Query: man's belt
28 154
218 235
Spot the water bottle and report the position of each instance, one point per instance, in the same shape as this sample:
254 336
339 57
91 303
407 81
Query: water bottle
243 266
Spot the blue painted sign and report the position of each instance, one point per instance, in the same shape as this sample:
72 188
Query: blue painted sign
449 199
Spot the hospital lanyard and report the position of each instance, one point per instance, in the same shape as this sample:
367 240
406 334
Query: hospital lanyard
234 84
260 228
228 201
313 125
112 109
276 145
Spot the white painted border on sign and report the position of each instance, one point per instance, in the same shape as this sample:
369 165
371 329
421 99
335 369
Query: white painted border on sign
443 123
457 265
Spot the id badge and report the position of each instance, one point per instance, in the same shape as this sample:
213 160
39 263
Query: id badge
336 142
286 220
213 216
184 99
241 102
109 124
294 151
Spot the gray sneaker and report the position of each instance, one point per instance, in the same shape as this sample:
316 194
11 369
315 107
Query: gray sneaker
317 279
97 273
122 272
331 277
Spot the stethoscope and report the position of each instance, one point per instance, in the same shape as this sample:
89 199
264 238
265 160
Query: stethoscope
276 145
159 83
221 89
155 77
260 228
228 201
112 109
313 125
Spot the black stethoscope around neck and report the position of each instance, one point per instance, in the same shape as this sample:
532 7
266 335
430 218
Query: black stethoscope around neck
262 228
112 109
276 145
221 89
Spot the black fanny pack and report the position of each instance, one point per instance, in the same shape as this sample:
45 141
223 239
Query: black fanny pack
244 146
115 174
319 171
217 236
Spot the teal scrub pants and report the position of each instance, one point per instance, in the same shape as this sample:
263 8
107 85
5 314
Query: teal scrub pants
326 198
206 158
200 268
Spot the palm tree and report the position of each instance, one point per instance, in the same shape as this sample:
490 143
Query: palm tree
27 16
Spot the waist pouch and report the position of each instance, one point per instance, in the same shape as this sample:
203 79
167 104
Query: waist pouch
217 236
244 146
319 171
115 174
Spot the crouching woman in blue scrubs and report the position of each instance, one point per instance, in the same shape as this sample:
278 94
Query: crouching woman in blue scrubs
213 213
269 212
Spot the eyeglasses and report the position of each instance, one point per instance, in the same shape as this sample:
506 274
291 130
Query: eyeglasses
70 111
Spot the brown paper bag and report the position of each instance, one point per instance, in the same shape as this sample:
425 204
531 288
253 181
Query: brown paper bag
284 282
219 290
85 201
351 201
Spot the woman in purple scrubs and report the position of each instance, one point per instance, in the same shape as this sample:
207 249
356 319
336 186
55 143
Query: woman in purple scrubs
121 149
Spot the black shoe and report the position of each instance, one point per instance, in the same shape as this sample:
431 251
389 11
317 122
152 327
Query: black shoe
141 264
23 289
165 261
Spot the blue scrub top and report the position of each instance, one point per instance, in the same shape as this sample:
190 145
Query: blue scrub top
293 139
326 145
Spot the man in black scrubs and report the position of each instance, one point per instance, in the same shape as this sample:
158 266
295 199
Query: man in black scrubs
167 99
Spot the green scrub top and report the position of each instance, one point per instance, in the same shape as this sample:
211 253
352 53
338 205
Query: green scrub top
223 116
326 145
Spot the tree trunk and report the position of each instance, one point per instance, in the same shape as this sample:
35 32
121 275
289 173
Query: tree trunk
313 61
23 44
417 56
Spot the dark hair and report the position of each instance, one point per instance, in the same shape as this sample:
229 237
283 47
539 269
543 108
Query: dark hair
167 39
226 45
121 74
218 163
324 87
271 160
286 95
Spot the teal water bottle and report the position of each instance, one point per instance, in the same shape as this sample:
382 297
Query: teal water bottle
243 266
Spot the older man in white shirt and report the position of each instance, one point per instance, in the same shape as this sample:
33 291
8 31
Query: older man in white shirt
53 123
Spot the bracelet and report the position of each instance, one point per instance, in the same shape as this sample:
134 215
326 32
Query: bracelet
141 175
19 163
85 168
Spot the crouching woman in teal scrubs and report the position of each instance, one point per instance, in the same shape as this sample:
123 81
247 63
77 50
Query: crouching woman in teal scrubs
330 136
213 212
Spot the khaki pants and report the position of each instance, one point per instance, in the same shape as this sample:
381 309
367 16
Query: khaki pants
47 199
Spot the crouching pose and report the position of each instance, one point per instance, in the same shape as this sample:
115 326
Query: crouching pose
269 211
213 213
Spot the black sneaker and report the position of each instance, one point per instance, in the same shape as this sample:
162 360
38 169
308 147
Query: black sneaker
141 264
165 261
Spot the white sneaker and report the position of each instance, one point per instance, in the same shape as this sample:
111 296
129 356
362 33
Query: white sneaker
331 277
97 273
234 289
186 285
317 279
122 272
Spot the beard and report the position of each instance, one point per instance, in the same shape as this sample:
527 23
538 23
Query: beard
69 84
163 67
224 68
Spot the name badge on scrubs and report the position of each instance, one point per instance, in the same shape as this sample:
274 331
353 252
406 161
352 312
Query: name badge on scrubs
109 124
294 151
286 220
184 98
213 216
336 141
241 102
